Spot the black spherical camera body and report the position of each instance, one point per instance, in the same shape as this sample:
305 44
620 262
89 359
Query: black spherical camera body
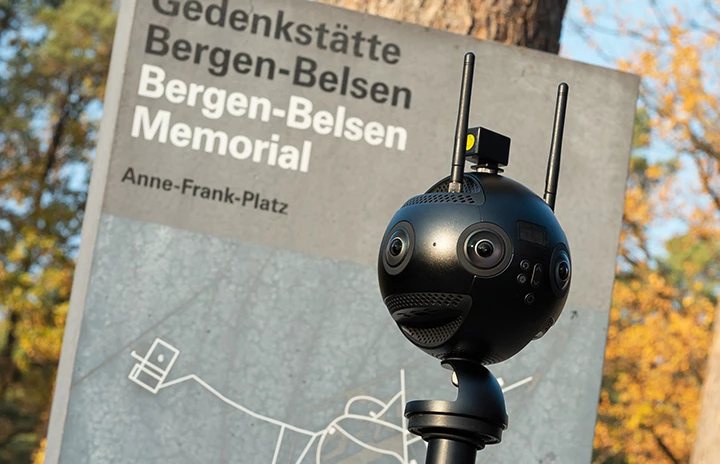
475 274
478 266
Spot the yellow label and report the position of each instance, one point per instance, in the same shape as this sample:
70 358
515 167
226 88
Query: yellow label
470 142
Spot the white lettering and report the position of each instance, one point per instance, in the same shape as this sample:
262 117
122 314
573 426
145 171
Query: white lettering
213 103
175 91
257 102
305 157
210 137
237 104
195 89
374 133
180 135
353 129
289 158
299 108
246 150
141 120
339 121
323 122
401 135
151 76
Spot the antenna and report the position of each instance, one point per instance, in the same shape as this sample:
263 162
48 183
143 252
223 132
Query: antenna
458 162
553 168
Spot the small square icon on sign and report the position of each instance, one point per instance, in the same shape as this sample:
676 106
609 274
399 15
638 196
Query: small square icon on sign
151 370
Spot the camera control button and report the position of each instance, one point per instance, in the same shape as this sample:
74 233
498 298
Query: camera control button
529 299
524 264
522 279
536 275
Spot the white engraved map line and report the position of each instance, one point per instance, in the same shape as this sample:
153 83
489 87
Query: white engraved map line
149 374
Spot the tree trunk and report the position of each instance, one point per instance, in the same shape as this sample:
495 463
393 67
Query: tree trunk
527 23
707 443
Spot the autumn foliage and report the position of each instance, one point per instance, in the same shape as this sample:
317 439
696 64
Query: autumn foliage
52 74
665 296
52 71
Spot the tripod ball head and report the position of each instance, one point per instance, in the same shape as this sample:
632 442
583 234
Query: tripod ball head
478 266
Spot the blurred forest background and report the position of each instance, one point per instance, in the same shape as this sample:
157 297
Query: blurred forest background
54 58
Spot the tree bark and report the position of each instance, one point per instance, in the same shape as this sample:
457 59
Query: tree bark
707 444
527 23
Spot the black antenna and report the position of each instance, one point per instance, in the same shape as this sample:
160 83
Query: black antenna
458 162
553 169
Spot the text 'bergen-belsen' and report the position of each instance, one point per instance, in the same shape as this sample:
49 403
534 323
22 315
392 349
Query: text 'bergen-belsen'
295 112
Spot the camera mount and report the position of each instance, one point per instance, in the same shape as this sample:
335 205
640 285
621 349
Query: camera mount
456 430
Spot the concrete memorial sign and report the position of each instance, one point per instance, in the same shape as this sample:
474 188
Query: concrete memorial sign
225 305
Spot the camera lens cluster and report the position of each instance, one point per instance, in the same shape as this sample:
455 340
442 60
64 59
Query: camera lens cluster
483 249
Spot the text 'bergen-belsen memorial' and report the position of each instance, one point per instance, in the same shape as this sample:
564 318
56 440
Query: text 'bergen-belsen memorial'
298 113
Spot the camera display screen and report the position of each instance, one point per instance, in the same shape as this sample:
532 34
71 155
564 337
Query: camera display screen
532 233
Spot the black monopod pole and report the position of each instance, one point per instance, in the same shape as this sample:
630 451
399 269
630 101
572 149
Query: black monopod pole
449 451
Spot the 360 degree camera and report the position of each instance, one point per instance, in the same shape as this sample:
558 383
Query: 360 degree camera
471 271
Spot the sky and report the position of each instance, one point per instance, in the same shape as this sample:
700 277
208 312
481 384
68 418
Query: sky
574 46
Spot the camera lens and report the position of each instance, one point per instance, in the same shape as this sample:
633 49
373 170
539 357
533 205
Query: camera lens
397 247
484 249
563 270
